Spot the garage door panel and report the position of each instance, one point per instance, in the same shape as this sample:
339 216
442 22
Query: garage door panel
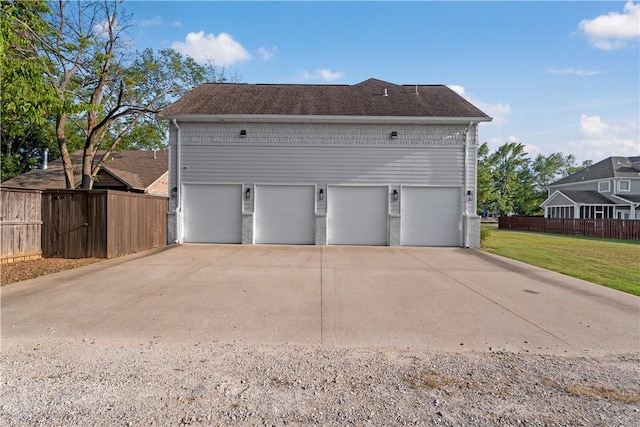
285 214
212 213
430 216
357 215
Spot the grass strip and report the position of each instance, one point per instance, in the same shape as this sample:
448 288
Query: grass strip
611 263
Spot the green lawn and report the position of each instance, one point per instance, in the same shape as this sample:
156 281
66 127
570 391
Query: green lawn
611 263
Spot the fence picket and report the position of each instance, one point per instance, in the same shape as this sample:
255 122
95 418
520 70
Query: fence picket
623 229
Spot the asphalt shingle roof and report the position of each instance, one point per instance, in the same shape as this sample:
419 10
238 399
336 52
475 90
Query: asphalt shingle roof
363 99
611 167
137 169
589 197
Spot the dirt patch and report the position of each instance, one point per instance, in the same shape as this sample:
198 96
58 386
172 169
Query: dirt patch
25 270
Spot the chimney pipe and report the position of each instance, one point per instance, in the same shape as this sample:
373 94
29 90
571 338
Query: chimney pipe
45 159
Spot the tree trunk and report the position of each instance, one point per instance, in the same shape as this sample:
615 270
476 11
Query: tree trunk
64 151
87 161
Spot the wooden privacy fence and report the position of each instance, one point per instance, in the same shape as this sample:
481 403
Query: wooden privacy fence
101 223
20 225
624 229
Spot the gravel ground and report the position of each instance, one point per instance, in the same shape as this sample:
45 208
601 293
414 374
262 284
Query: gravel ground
24 270
83 382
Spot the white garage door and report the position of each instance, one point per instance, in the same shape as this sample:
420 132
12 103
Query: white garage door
285 214
212 213
430 216
357 215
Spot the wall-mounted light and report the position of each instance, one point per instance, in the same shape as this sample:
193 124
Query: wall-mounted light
243 133
469 196
174 192
247 193
395 195
321 194
394 134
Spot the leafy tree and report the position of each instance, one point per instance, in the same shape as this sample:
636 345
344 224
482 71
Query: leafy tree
486 195
511 183
108 95
572 168
26 99
507 165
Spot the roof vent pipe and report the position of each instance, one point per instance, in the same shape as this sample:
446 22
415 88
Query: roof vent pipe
416 89
385 92
45 159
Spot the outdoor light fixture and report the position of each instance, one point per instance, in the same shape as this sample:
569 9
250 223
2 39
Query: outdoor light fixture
247 193
395 195
394 134
243 133
469 196
321 194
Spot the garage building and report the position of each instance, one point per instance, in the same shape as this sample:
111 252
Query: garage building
368 164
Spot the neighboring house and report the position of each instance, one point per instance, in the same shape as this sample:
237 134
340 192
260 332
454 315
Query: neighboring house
369 164
607 189
134 171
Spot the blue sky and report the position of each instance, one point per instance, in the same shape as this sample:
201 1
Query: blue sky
555 76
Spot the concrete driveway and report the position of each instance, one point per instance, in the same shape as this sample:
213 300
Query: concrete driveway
427 298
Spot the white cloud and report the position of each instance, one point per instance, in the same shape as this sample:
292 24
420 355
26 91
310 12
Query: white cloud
101 29
156 21
323 74
177 23
574 71
222 49
599 140
532 150
592 125
267 54
513 138
499 111
457 89
613 30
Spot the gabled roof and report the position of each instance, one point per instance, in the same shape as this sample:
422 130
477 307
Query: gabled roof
611 167
372 97
136 170
590 197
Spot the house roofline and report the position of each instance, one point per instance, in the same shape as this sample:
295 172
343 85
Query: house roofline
117 177
552 196
625 200
157 179
611 202
282 118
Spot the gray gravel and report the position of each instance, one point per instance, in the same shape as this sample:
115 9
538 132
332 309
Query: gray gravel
82 382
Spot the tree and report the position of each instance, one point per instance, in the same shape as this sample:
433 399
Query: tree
486 196
574 168
107 94
511 183
26 99
507 165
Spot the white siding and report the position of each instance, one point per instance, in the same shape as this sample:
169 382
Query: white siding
322 155
276 164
